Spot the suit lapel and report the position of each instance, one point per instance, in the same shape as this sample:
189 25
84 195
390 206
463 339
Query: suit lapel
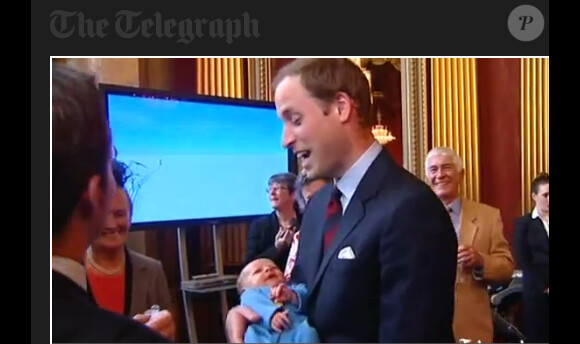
347 224
367 188
467 228
137 290
269 234
312 238
129 282
541 230
468 223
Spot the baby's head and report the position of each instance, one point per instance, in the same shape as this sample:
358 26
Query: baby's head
259 273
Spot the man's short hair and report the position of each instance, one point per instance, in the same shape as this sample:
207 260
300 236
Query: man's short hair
324 78
81 144
444 151
541 179
301 182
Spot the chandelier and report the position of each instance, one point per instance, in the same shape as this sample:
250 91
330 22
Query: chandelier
364 63
382 134
380 131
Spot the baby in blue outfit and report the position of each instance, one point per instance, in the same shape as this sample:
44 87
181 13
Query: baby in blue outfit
281 306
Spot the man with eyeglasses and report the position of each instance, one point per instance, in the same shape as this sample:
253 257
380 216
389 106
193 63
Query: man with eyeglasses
271 236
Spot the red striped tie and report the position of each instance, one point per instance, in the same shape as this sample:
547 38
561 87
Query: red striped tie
333 216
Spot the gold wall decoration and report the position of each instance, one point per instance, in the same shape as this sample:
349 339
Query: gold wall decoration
535 123
365 62
220 77
414 108
454 115
259 78
359 62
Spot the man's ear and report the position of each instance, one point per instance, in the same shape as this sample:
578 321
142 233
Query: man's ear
93 197
343 105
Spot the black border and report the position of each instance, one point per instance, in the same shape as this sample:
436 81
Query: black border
40 220
110 89
396 28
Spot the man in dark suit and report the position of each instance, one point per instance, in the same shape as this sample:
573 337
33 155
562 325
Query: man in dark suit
82 188
378 250
532 251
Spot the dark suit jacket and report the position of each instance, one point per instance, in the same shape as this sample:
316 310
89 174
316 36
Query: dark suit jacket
400 285
532 251
261 240
76 319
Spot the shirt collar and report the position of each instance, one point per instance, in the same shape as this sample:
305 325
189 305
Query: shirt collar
348 183
455 206
71 269
536 213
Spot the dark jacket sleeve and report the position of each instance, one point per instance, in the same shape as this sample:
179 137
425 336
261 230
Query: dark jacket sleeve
521 247
537 275
253 248
261 243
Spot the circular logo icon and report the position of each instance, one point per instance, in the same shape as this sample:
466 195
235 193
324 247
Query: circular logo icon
526 23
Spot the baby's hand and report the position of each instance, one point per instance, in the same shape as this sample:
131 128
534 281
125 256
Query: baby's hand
280 321
281 293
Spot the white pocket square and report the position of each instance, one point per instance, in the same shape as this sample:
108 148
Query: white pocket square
346 253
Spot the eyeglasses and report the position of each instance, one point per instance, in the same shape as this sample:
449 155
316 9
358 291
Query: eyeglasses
275 188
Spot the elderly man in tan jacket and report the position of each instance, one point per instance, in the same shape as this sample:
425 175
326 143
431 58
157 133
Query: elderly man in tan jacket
483 254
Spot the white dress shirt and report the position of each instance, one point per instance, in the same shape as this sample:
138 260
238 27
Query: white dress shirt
546 221
348 183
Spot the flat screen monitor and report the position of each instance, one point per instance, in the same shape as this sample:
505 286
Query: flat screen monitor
195 159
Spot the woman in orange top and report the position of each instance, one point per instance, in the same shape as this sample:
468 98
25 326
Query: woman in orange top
119 279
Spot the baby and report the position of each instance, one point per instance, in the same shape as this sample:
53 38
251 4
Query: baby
281 307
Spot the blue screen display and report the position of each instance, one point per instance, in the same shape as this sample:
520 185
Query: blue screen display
194 160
